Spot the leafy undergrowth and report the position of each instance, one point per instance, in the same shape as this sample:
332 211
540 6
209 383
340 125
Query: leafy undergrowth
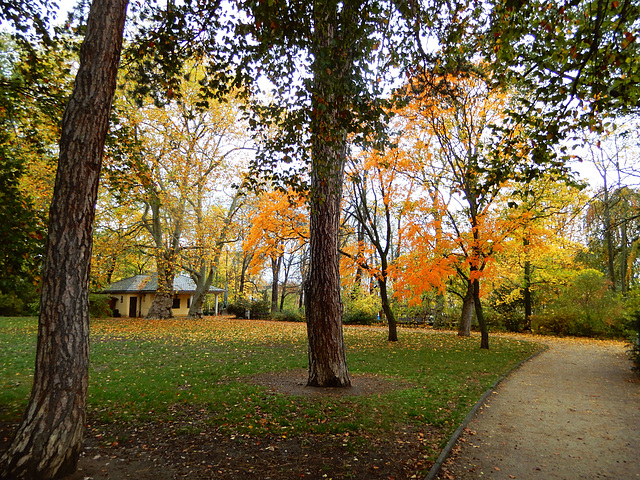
184 392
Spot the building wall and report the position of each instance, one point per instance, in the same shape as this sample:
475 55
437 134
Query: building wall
144 301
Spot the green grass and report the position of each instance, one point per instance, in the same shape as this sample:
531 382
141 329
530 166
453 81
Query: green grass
141 370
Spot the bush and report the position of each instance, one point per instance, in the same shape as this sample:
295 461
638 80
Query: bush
361 309
11 305
99 306
359 317
288 316
585 307
257 308
506 310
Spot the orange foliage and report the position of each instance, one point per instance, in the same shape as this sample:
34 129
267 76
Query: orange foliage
279 225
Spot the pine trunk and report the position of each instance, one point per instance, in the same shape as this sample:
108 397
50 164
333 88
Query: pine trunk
49 439
327 358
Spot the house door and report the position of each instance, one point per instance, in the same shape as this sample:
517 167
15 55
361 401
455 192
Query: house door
133 307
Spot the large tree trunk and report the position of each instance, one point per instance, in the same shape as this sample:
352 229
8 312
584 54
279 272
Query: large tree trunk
466 317
49 439
161 307
327 358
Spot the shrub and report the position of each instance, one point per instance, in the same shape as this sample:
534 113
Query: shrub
257 308
361 309
99 306
505 310
359 317
11 305
288 316
585 307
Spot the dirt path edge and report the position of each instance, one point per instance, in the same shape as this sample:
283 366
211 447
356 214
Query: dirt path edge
446 451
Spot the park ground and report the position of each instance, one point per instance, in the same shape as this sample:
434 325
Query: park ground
185 444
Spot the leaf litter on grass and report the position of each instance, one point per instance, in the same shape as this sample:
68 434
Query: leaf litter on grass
192 389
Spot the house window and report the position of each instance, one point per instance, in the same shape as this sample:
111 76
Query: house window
176 303
189 302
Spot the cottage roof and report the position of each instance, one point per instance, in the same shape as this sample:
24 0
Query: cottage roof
148 283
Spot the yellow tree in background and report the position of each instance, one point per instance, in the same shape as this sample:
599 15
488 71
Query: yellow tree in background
175 162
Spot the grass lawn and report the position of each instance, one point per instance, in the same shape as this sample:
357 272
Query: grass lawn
192 381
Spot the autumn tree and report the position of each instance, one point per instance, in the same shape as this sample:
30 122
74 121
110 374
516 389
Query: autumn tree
279 230
35 82
538 253
612 218
119 244
454 119
181 150
212 230
48 441
376 196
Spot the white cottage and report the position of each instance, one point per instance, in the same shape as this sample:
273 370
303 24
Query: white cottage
132 297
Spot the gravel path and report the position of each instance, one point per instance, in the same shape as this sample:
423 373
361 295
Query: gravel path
572 412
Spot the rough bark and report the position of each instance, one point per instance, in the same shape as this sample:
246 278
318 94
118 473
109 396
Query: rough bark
327 358
466 317
49 439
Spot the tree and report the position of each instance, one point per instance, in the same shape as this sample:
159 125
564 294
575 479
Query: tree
459 123
377 197
539 251
612 214
203 264
333 42
34 84
183 148
578 58
49 438
465 168
279 230
119 244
